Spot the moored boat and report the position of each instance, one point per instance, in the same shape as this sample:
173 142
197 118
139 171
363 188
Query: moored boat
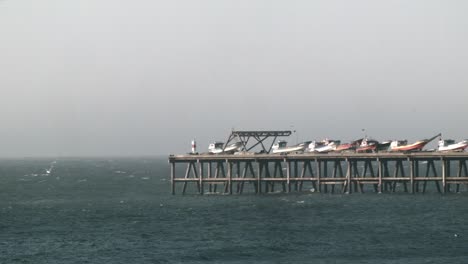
281 147
450 145
218 148
314 145
371 145
403 146
384 145
367 145
323 146
346 147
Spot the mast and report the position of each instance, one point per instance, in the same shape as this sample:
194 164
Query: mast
434 137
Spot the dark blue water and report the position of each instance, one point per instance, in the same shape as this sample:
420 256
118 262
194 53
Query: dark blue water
121 211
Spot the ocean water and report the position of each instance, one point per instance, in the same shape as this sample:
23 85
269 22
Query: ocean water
121 211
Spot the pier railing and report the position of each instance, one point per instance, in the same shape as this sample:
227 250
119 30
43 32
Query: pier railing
344 173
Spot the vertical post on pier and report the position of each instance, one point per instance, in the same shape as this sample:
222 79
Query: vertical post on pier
296 172
444 174
200 166
416 174
318 166
209 176
380 174
448 174
229 168
238 175
172 177
259 176
411 175
325 174
460 167
348 176
288 175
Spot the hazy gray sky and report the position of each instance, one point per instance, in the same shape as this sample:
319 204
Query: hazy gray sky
111 77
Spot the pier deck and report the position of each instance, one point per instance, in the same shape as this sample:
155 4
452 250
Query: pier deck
332 172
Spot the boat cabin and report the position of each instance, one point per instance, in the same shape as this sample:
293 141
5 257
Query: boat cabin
397 143
446 142
216 145
315 145
368 142
281 144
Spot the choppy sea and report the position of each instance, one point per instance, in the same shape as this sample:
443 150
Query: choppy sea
119 210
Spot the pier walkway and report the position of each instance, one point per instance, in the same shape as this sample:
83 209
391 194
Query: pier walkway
332 172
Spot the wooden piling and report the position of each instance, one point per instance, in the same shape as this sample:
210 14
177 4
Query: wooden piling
229 169
172 178
348 176
288 175
411 175
318 166
259 179
200 165
444 171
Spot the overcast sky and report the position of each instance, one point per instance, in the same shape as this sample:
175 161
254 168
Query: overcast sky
111 77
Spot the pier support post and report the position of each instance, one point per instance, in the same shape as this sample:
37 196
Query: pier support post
461 166
411 175
416 174
337 168
200 165
187 173
380 172
259 177
449 172
318 165
296 172
304 166
325 175
444 172
288 175
238 175
348 177
229 168
210 187
172 178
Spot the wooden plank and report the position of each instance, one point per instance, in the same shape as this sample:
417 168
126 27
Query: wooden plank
242 179
186 180
332 179
459 182
456 178
332 182
396 179
366 179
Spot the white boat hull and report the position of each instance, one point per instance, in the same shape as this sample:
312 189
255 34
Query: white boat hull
229 149
325 149
460 146
289 149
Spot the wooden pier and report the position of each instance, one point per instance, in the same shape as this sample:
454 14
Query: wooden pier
343 173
